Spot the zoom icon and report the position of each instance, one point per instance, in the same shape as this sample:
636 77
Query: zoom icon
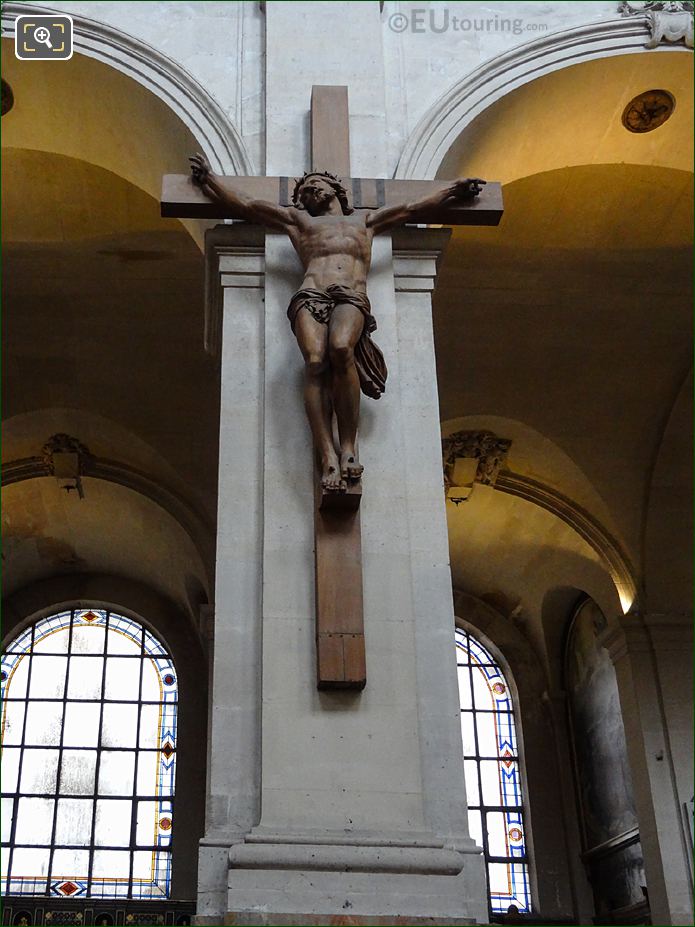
43 38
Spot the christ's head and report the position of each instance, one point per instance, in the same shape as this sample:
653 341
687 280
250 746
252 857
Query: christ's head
317 190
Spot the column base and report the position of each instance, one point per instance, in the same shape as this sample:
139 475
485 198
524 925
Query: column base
327 920
352 880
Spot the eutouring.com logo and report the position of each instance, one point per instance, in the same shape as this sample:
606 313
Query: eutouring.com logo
436 20
43 38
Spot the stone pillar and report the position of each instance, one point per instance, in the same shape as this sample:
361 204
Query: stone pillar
653 664
415 257
362 794
234 330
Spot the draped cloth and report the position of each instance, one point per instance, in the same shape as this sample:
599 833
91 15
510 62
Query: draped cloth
369 361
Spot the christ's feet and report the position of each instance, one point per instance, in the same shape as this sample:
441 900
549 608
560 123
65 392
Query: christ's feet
331 479
350 467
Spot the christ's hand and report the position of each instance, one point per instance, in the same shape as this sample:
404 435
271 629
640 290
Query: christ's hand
200 170
466 189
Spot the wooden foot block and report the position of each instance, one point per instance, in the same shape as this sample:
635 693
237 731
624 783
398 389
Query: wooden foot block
342 501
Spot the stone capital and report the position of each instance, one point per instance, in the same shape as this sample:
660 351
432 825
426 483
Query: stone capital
648 632
416 256
234 258
668 21
628 635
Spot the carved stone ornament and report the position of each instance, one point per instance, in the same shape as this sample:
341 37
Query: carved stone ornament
7 97
489 450
648 111
66 458
62 443
668 21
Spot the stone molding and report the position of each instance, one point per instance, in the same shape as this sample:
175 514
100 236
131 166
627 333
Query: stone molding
447 118
586 526
158 73
199 529
668 22
346 858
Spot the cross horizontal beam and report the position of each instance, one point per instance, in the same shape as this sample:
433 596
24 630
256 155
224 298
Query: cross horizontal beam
181 199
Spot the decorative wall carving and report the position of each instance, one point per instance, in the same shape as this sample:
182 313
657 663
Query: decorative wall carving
62 443
489 450
66 459
648 111
491 453
51 911
7 97
668 21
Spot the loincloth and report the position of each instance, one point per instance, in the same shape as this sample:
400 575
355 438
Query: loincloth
369 361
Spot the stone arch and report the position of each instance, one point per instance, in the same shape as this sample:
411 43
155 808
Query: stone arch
136 519
162 76
539 471
437 130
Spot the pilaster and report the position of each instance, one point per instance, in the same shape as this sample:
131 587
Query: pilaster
647 651
235 275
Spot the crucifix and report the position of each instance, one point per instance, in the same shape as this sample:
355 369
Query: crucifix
331 224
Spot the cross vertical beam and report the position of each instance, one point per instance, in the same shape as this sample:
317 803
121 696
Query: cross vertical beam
340 650
330 130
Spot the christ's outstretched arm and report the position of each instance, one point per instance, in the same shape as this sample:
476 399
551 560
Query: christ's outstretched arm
240 205
389 216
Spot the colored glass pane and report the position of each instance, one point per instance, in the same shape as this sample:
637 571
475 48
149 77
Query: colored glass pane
72 720
492 774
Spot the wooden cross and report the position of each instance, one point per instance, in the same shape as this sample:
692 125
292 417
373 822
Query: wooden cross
340 647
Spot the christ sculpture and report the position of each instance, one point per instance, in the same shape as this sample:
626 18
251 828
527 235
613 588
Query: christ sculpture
330 314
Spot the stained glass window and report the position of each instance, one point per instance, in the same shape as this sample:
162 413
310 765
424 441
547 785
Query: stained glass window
88 726
493 780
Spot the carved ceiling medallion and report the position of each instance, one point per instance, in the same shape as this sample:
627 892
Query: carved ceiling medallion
7 97
648 111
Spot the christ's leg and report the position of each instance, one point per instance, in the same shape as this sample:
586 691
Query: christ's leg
344 330
312 337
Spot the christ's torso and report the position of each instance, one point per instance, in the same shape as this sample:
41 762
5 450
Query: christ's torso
333 250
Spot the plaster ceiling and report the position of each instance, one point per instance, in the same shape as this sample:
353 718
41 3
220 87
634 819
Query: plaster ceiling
573 117
510 553
568 327
103 319
86 110
112 530
567 320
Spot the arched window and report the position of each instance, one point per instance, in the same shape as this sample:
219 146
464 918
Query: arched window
88 758
493 778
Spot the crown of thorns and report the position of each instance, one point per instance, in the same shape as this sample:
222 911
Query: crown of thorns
334 181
